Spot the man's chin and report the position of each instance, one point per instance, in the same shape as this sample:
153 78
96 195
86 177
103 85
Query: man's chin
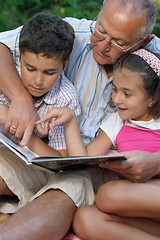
103 60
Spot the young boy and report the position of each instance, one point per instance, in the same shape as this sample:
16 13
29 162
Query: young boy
45 45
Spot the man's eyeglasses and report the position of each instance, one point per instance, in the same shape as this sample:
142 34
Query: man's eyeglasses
112 43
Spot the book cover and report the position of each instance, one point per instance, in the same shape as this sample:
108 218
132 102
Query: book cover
55 163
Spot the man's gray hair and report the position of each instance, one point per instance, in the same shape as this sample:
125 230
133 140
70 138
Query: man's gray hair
147 7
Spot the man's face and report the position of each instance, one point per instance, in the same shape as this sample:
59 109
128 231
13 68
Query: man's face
116 25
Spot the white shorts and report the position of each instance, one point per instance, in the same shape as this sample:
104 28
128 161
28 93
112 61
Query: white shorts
28 182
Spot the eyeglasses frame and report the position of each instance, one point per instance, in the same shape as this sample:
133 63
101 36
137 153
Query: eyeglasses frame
93 30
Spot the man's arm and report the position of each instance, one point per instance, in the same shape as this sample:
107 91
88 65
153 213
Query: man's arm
22 112
140 166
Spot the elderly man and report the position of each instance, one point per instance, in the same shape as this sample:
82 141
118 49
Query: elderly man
120 27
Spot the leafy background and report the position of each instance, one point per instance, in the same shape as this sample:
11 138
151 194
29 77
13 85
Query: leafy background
14 13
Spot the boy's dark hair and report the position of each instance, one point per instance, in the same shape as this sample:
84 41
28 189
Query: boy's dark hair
47 34
151 81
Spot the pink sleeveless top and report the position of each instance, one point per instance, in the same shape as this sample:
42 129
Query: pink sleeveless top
138 138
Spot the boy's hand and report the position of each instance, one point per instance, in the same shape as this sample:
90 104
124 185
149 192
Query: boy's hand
62 116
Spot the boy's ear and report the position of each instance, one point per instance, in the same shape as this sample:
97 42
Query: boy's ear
147 40
66 63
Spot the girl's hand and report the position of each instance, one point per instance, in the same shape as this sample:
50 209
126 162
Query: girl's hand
53 118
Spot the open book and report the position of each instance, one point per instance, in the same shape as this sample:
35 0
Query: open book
55 163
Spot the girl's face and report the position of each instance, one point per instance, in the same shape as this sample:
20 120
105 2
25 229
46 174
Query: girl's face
129 95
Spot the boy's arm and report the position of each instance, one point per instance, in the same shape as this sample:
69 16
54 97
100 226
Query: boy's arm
3 113
21 113
39 147
35 143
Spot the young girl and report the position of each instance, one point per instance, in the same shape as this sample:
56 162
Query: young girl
123 210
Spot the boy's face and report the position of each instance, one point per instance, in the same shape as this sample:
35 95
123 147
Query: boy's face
39 73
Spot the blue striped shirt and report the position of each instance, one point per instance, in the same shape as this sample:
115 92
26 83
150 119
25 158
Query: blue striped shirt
90 79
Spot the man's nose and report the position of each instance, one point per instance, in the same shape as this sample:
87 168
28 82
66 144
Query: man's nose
104 45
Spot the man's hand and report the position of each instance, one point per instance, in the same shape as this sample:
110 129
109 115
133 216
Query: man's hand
22 115
140 166
21 118
3 113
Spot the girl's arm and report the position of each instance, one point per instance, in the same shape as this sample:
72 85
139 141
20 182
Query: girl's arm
74 142
67 117
100 145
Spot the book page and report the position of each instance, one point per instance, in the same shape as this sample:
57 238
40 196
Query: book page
23 152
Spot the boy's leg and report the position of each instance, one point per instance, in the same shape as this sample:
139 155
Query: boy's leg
50 212
47 217
91 223
4 190
18 178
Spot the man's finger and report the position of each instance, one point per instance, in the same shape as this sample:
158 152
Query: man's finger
27 134
8 125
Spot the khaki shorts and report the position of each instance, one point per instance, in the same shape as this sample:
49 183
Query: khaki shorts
28 182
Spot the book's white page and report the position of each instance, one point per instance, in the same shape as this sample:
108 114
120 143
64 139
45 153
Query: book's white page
23 152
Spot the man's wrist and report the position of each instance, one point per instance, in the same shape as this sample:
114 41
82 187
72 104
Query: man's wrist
22 93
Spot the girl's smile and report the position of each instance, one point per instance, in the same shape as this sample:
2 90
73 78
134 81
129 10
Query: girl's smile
129 95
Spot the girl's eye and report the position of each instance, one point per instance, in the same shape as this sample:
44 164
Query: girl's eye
114 89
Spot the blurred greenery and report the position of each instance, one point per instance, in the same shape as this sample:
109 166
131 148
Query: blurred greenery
156 29
14 13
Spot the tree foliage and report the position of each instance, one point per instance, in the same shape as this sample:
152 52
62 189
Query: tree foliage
14 13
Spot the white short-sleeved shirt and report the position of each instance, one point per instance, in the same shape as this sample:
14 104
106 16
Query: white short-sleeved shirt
114 123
